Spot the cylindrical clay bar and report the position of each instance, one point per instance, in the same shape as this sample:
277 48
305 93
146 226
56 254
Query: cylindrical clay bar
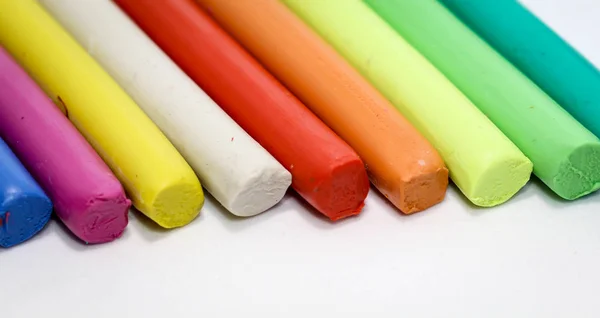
157 179
87 197
538 52
566 156
483 163
24 208
326 172
401 163
233 167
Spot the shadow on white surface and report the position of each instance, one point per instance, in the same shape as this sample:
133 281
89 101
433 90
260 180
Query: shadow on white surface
233 223
146 228
537 255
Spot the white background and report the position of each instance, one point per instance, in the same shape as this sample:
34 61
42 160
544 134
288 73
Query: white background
535 256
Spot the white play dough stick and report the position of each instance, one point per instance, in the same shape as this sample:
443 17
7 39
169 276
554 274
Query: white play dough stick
232 166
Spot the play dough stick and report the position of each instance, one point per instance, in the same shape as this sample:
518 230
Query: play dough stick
483 163
24 208
538 52
211 142
565 155
156 177
325 170
401 163
87 197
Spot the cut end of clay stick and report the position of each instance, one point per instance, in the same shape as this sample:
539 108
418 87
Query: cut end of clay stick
177 205
500 181
422 191
22 218
104 219
261 193
413 184
580 174
343 192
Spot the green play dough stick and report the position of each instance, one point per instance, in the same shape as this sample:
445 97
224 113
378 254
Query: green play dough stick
541 54
483 163
566 156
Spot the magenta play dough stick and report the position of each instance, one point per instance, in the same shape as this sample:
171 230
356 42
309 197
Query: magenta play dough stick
87 197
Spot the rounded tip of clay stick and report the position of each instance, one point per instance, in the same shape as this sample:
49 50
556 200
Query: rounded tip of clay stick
177 205
23 217
342 193
502 179
104 219
261 192
580 174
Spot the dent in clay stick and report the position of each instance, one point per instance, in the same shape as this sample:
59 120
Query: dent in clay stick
538 52
325 170
566 156
24 208
233 167
157 179
483 163
401 163
87 197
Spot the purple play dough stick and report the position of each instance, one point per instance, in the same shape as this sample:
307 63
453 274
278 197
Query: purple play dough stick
87 197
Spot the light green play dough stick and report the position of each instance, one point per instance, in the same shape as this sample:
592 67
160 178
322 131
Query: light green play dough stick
566 156
483 163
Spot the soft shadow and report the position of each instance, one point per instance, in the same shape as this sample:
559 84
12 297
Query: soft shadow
76 243
316 218
396 213
550 197
44 232
149 230
591 198
55 225
467 205
234 223
223 212
389 207
555 201
69 238
528 191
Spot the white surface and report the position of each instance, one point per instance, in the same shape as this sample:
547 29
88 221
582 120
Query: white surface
233 167
535 256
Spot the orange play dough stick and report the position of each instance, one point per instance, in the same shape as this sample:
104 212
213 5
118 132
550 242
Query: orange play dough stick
401 163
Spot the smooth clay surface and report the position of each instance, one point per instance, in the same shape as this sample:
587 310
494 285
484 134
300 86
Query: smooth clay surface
233 167
24 208
483 163
87 197
157 179
566 156
326 172
538 52
410 173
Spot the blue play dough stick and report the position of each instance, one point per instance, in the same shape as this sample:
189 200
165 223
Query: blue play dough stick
24 207
538 52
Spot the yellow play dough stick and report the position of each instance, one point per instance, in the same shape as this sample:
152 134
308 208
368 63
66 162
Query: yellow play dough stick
158 180
484 164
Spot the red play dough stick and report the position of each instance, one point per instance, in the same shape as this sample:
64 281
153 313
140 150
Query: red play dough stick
325 170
